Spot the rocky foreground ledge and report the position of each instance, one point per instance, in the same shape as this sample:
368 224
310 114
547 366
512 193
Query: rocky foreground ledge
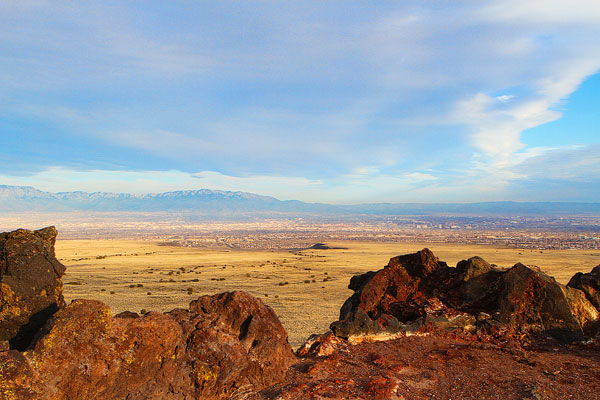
415 329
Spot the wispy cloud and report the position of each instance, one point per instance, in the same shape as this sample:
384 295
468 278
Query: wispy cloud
361 98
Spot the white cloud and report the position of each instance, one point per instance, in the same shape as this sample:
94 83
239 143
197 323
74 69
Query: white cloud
545 11
419 176
505 97
574 163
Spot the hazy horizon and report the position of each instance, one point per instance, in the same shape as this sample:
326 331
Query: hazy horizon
200 189
337 103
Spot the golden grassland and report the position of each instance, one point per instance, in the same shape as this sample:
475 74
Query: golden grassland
306 288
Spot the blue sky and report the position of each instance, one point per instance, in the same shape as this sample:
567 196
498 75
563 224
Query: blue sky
339 102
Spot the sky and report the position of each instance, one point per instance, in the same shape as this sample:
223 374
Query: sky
340 102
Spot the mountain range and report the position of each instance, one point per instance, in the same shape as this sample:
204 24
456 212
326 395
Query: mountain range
219 203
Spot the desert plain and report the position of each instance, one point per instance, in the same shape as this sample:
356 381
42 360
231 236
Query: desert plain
306 288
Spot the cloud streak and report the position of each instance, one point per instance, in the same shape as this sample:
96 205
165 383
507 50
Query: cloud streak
429 98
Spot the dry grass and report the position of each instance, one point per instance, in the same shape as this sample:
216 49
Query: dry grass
137 274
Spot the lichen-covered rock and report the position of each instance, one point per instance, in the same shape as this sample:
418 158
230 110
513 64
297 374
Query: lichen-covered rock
30 284
417 291
236 343
532 301
224 346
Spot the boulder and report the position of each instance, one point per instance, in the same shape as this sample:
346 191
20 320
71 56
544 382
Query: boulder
397 285
532 301
236 343
319 345
223 347
30 284
589 284
472 268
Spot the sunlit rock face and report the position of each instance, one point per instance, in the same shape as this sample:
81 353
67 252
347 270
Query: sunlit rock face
221 347
418 293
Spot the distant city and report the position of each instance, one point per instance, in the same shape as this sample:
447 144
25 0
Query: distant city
538 233
206 218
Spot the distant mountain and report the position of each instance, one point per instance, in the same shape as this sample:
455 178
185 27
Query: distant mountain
231 204
203 201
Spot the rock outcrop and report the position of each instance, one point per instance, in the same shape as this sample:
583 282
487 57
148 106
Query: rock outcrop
223 347
417 292
30 284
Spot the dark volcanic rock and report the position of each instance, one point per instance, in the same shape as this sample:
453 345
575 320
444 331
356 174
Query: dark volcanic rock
391 289
532 301
472 268
225 346
30 284
418 292
589 284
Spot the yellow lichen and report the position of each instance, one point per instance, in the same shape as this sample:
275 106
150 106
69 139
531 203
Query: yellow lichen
203 373
7 388
129 355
